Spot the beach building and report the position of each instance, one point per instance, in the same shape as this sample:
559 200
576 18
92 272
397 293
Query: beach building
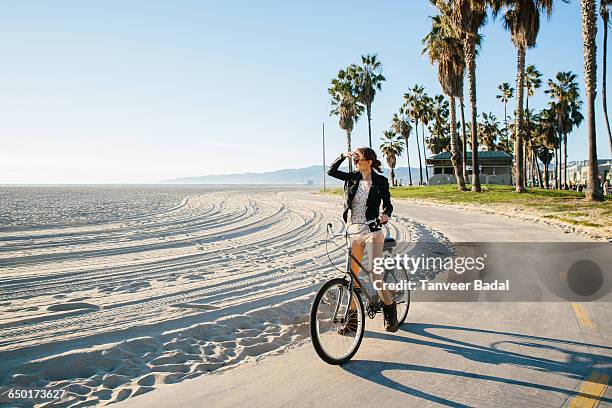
577 172
495 168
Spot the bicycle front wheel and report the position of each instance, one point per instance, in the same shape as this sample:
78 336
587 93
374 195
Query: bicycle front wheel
335 339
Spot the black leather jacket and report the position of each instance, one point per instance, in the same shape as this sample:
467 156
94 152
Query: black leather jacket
378 192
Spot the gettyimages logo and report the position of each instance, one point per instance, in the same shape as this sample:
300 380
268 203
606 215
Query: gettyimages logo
411 264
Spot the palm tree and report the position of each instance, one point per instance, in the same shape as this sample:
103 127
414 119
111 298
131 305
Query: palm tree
503 145
589 30
468 16
534 145
391 147
567 105
558 92
506 93
345 102
530 145
439 139
488 131
546 138
369 80
444 48
468 127
522 19
413 107
439 112
454 19
533 81
401 125
604 12
439 136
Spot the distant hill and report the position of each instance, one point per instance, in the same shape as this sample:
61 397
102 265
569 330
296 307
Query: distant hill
306 175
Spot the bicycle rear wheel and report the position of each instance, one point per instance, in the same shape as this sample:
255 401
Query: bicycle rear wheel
400 297
327 322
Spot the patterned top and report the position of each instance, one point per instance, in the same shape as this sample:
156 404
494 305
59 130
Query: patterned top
358 213
358 205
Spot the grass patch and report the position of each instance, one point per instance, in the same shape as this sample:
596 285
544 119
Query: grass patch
561 205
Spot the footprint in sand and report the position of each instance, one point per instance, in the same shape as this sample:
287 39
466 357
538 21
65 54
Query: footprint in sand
78 299
62 307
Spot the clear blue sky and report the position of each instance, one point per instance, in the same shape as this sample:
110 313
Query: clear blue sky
138 91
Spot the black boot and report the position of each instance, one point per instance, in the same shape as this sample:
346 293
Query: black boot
390 317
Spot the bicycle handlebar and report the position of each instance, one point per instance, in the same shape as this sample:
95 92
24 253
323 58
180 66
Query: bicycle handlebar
372 224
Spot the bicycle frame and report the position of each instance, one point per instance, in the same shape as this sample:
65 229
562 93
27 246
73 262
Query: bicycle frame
349 255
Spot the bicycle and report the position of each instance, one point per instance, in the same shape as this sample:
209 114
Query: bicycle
330 308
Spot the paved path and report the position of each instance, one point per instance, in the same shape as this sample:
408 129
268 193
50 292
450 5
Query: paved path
447 354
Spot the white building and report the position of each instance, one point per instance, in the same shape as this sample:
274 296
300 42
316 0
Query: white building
577 171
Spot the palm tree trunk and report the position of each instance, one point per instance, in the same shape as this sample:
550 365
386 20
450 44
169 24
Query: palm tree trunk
416 130
369 110
506 121
529 175
424 153
531 142
532 166
557 148
455 155
565 184
518 140
470 60
464 144
546 175
603 85
537 167
527 165
408 157
393 176
561 164
589 30
348 147
525 161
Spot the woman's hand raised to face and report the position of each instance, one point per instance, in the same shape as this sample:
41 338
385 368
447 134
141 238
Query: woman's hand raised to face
348 154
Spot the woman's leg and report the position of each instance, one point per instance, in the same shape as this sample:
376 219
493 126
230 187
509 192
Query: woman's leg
357 249
376 249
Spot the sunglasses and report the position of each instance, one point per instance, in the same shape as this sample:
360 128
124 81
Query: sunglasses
357 160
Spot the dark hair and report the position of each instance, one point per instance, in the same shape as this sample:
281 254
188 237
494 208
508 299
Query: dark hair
370 154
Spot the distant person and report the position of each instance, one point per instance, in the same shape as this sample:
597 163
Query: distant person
364 191
600 181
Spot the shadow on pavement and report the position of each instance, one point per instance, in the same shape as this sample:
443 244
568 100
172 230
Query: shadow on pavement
577 364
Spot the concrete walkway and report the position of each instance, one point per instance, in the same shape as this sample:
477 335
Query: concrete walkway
447 354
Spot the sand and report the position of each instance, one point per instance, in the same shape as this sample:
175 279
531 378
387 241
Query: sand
112 292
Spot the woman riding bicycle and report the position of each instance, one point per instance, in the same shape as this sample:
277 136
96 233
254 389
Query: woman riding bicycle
364 190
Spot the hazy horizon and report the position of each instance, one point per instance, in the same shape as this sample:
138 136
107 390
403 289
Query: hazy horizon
116 93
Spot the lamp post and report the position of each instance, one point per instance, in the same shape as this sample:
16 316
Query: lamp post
323 156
